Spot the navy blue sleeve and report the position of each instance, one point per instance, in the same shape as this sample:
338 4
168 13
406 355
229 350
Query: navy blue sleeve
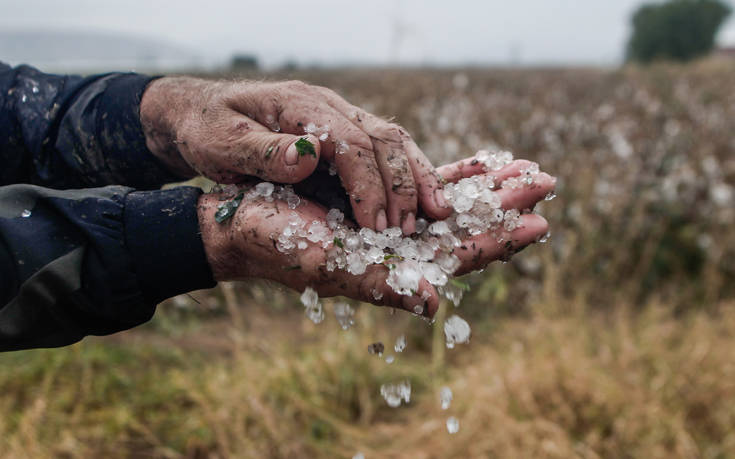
63 131
78 257
94 261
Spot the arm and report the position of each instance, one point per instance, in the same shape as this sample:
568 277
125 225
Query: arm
93 261
69 132
73 132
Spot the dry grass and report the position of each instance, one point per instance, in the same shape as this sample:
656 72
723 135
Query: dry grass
614 340
620 384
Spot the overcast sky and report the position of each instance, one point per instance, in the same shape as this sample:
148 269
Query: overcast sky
370 31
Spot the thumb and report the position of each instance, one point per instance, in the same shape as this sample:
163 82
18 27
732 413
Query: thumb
282 158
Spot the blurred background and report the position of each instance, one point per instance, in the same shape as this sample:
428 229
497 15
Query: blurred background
613 339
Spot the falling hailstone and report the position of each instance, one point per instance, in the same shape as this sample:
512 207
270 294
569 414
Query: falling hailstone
400 344
389 359
313 308
452 425
26 213
358 456
394 394
445 396
345 315
456 330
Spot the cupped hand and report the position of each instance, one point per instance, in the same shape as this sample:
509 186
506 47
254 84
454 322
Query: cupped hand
246 246
230 130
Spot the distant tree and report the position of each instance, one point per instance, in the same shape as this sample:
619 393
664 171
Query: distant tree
241 62
676 29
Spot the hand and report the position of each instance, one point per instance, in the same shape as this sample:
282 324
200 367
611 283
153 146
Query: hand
245 247
230 130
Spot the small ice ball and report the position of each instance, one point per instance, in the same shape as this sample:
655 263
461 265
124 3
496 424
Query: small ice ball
334 218
452 425
404 278
433 273
309 298
316 313
400 344
439 228
421 225
394 394
264 189
449 263
375 255
344 315
456 330
445 397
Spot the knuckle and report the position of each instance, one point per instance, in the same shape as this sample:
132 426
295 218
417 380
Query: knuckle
406 190
388 132
358 139
296 85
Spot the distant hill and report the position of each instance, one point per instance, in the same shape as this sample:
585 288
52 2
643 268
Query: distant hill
82 51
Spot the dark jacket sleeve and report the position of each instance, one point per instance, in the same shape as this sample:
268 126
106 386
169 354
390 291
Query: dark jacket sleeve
96 259
63 131
93 261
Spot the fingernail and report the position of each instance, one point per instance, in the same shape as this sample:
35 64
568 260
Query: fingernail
292 155
409 224
381 221
439 198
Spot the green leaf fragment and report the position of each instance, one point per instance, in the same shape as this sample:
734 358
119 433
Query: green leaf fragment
292 268
391 256
459 284
338 242
268 152
304 147
227 209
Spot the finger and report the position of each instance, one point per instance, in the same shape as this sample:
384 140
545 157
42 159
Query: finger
477 251
282 158
428 181
527 196
397 178
356 162
236 146
469 167
398 162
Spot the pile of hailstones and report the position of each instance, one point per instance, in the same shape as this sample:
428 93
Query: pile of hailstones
426 254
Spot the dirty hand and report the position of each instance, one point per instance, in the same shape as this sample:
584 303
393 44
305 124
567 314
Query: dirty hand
230 130
245 246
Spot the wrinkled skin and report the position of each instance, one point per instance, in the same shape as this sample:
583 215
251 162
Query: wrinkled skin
228 131
245 247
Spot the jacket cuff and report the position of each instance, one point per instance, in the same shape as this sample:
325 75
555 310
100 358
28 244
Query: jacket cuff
121 133
162 234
